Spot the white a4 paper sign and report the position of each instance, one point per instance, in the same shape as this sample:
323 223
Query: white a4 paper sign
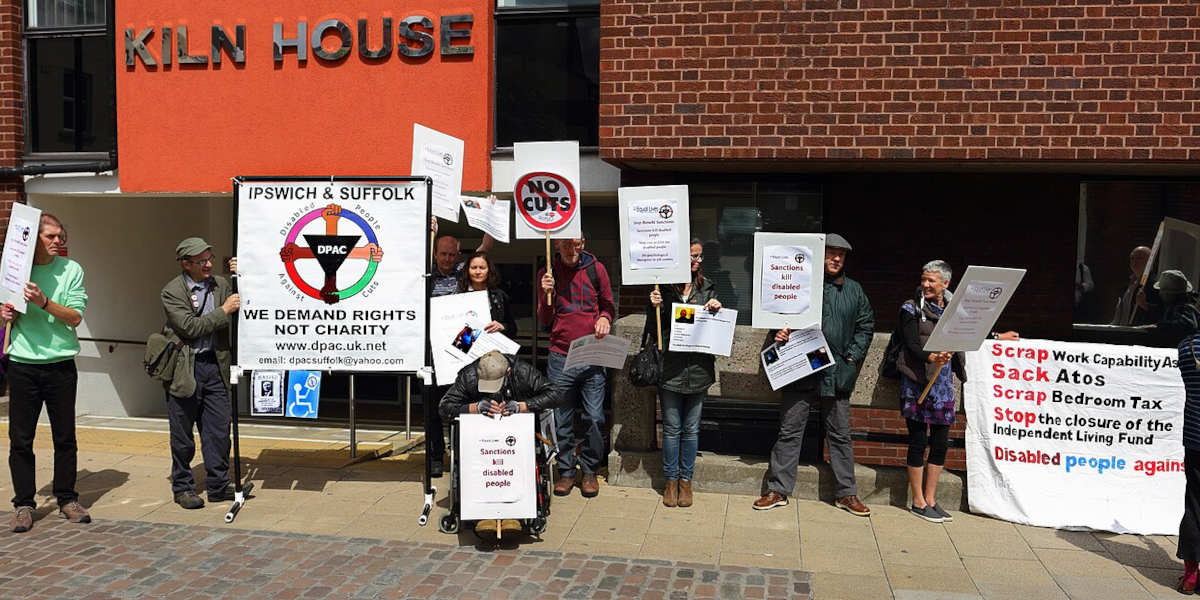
653 234
786 279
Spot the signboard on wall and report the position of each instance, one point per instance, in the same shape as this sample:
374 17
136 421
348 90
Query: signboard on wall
331 275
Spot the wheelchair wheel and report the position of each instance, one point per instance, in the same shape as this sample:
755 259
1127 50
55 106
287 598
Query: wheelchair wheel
448 524
538 526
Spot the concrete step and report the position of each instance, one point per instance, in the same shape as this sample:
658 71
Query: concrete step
746 475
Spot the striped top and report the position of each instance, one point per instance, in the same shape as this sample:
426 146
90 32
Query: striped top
1189 369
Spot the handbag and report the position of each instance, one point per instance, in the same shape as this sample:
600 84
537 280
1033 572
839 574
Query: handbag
160 357
646 367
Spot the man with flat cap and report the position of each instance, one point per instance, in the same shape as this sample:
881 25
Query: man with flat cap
199 307
847 321
498 385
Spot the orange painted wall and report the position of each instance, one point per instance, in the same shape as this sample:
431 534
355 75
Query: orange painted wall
190 129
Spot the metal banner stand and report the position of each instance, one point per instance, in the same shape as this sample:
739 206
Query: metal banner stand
242 492
426 374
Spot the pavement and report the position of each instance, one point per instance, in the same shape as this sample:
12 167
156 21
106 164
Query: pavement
323 525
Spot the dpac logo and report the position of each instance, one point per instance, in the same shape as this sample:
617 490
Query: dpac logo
511 440
799 258
995 293
331 250
666 212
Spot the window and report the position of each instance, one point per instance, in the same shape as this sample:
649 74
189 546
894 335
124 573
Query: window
547 71
725 217
1118 224
69 75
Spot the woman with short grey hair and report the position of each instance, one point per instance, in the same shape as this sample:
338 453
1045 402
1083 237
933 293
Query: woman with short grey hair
928 419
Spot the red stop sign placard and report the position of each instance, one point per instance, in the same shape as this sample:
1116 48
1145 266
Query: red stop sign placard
546 201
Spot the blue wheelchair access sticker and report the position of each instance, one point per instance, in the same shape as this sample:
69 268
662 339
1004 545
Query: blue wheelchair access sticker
303 394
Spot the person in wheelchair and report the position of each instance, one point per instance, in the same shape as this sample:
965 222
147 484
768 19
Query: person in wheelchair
498 385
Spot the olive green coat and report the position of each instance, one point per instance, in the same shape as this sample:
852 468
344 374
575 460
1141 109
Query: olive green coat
683 372
848 321
183 325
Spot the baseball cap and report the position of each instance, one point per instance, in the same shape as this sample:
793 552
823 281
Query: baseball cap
492 370
191 247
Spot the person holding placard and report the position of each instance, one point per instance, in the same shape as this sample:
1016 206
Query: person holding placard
847 322
199 308
481 274
686 377
928 410
581 305
42 371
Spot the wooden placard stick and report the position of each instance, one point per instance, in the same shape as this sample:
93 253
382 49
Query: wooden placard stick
549 269
928 386
658 318
1149 268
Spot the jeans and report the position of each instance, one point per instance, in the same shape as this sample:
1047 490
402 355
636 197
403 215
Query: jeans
785 455
581 387
208 411
681 432
31 386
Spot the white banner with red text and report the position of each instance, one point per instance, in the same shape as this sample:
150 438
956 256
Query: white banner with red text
1076 436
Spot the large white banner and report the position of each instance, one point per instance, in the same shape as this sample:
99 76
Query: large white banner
1073 435
496 456
331 275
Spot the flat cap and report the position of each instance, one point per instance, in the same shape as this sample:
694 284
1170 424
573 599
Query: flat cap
191 247
834 240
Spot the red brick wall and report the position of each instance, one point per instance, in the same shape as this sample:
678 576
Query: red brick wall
12 128
987 80
887 420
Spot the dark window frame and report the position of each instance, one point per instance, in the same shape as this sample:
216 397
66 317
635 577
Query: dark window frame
502 14
31 109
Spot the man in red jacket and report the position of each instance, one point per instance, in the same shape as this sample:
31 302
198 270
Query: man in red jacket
581 305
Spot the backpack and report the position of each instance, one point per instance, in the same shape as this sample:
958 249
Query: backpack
889 367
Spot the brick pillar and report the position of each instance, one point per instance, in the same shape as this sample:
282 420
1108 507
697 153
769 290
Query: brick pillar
12 123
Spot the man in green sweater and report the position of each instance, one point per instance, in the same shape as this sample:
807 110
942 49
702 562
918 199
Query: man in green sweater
42 371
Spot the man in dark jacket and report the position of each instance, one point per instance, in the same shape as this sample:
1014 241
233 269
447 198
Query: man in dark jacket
199 307
847 322
498 385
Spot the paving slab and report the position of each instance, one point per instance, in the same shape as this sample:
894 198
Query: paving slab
1098 587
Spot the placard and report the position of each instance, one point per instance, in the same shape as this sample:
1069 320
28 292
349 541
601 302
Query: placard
16 262
655 236
806 352
456 331
498 472
609 351
303 393
694 329
331 275
974 307
789 271
267 394
488 216
1075 436
546 190
440 157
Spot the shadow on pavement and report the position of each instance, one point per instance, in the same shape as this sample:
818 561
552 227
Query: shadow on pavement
91 486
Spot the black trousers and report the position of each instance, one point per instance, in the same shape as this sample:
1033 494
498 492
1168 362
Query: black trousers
1189 526
435 437
31 386
207 409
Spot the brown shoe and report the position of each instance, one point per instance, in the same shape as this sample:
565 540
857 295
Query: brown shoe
510 527
22 519
74 513
685 493
852 505
770 500
590 486
486 528
563 486
671 493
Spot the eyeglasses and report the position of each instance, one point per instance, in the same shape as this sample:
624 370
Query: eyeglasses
199 261
698 257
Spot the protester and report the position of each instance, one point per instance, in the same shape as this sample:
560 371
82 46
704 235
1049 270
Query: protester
582 305
1179 317
42 350
498 385
199 308
1133 307
686 377
930 419
847 321
447 269
1189 526
481 274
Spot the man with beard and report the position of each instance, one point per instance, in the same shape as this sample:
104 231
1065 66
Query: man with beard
847 322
